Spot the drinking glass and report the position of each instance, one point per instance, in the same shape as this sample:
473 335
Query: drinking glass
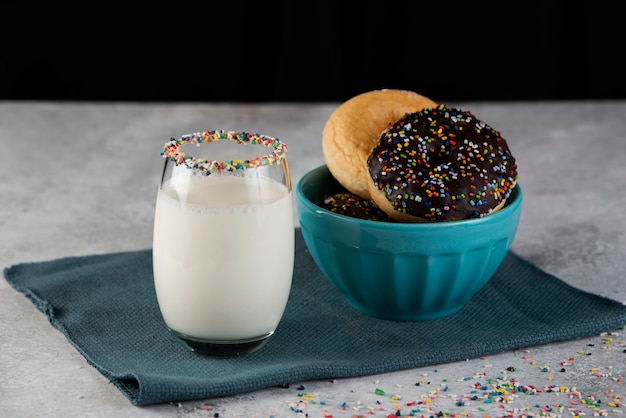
224 237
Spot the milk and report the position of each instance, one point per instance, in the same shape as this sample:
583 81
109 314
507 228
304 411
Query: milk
223 255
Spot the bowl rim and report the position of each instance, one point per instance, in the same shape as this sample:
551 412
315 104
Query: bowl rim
511 206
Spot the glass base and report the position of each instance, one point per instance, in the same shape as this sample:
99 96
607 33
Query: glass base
222 348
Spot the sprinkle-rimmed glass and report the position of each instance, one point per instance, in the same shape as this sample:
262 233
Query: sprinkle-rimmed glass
223 243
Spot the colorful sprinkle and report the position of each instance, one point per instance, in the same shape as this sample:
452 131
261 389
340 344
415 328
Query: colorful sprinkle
171 151
348 204
443 164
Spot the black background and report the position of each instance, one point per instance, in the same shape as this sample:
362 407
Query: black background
310 51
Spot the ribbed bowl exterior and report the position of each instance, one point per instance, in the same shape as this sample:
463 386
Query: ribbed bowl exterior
401 271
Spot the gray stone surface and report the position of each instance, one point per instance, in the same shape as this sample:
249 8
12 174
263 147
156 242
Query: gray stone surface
81 178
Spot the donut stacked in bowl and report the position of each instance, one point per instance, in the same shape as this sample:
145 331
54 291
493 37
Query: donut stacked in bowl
403 158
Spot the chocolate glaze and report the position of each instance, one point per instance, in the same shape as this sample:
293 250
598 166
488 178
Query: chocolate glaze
349 204
443 164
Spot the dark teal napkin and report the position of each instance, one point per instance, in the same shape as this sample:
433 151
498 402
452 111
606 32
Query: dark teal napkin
106 307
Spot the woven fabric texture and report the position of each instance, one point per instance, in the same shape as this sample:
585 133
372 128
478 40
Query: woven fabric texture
106 306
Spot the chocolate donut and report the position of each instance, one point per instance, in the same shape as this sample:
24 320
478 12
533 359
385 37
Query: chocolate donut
440 164
354 206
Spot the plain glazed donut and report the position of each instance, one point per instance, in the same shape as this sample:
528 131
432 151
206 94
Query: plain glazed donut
440 164
354 127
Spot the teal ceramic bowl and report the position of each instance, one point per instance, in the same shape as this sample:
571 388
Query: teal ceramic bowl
403 271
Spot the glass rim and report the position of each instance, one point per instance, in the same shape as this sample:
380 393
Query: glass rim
171 151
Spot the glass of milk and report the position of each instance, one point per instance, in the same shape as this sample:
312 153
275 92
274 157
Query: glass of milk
224 237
